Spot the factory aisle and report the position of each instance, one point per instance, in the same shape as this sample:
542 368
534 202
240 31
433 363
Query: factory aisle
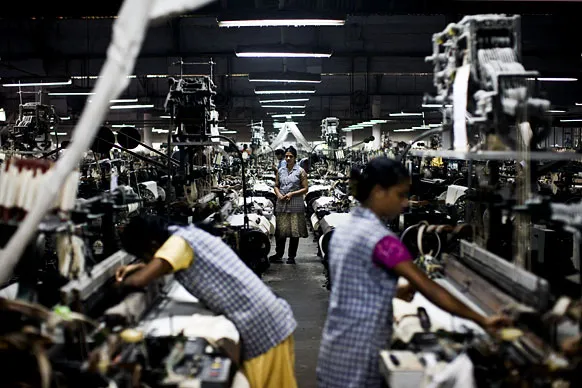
302 286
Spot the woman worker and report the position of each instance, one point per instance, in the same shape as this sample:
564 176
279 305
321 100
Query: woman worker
290 187
365 260
211 271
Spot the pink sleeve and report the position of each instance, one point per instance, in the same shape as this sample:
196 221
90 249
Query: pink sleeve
390 252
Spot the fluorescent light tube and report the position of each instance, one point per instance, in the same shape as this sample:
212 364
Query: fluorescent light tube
273 90
122 100
281 22
284 100
60 133
166 117
579 104
65 118
284 106
570 120
404 130
70 93
139 106
556 111
285 77
557 79
402 114
227 132
281 54
16 85
437 105
121 125
2 114
290 115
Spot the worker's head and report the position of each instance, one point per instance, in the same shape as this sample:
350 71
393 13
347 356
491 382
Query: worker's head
280 154
290 156
144 235
382 185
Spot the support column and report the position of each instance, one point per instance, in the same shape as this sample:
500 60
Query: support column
349 138
377 128
148 136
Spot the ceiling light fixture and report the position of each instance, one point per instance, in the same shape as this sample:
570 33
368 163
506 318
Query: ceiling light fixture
70 94
139 106
281 51
284 100
402 114
166 117
280 54
121 125
286 77
556 111
579 104
65 118
228 132
123 100
281 23
554 79
570 120
284 106
437 105
404 130
20 84
289 115
272 90
59 133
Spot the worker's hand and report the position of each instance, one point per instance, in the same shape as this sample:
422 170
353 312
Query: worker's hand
280 197
405 292
286 197
125 270
493 323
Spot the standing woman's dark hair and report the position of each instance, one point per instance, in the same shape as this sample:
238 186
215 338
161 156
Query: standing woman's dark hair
379 171
292 150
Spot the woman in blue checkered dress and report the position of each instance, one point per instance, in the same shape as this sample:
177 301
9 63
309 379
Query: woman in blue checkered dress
365 261
290 187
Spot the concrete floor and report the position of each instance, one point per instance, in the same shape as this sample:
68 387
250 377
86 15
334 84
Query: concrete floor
301 285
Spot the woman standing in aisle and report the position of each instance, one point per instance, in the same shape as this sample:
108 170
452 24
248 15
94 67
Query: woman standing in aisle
365 260
290 187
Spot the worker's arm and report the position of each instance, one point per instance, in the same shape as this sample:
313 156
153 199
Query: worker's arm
151 271
174 255
442 298
304 186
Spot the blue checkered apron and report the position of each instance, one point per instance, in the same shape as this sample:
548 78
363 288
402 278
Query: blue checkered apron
359 320
227 286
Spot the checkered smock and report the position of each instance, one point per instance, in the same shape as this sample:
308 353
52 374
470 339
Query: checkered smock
291 181
359 320
227 286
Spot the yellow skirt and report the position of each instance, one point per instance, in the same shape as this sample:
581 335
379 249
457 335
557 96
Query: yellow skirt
274 369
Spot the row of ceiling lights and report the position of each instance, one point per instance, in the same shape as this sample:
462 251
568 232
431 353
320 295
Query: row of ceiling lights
285 77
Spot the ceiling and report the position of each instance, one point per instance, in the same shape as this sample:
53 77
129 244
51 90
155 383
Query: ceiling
377 66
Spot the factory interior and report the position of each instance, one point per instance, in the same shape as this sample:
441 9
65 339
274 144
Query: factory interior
291 193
